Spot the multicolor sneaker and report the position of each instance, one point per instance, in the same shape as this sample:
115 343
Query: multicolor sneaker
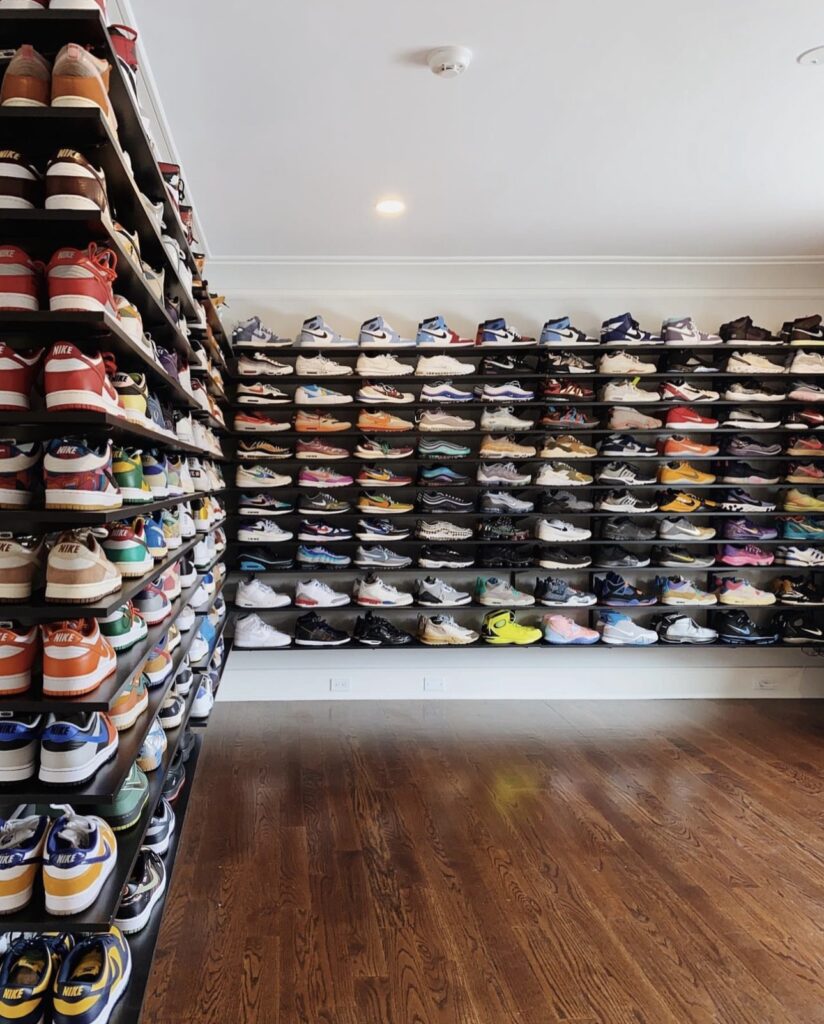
22 841
316 333
498 593
323 476
679 590
318 449
561 630
94 977
124 627
434 332
615 590
742 592
321 557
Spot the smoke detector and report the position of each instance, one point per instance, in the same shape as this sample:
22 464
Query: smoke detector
814 56
449 61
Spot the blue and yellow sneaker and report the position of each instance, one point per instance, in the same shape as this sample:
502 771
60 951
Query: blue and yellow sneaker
92 979
27 976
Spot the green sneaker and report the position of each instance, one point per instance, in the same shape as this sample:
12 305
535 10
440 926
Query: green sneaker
124 627
128 548
128 804
127 467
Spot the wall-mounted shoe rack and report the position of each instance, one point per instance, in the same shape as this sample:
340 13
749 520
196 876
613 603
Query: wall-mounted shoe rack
187 428
519 561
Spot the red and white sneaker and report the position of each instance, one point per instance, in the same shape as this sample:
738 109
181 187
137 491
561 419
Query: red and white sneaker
18 471
81 280
684 418
74 380
18 371
19 280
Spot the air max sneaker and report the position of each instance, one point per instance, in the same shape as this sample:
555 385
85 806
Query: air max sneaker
383 421
260 393
261 365
321 366
444 631
380 557
317 556
444 391
504 502
438 420
260 476
380 529
384 504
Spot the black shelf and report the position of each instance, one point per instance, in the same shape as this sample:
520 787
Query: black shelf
465 351
542 645
475 404
295 463
559 428
57 518
400 380
331 573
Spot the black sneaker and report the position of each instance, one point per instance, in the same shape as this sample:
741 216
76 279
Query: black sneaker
263 560
313 631
627 446
796 590
743 329
143 890
522 557
624 529
555 592
508 364
615 557
374 631
161 828
175 777
804 328
187 744
797 628
560 558
437 501
673 557
435 556
693 365
322 505
564 501
736 627
502 528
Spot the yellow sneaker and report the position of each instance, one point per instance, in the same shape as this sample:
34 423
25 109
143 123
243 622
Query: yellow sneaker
500 627
505 447
682 501
383 503
566 446
796 500
683 473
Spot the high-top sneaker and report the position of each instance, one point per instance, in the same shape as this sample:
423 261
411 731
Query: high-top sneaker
743 329
124 43
623 330
81 279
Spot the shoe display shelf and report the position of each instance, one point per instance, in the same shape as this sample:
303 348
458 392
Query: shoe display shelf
523 572
138 198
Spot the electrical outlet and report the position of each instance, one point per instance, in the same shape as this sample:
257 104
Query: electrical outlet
766 684
338 685
434 684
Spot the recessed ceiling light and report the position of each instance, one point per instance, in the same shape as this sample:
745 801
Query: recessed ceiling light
390 207
814 56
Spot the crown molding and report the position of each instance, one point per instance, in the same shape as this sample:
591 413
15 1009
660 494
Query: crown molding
801 275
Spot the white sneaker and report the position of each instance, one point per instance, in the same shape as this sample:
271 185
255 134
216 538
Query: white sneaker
373 591
808 362
252 631
315 594
204 698
684 630
382 365
187 524
437 419
254 593
627 391
622 631
442 531
314 394
261 394
321 366
262 365
624 363
442 366
443 631
264 531
753 362
559 529
260 476
554 473
503 419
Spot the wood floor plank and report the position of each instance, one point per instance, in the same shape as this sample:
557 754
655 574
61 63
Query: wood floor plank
496 862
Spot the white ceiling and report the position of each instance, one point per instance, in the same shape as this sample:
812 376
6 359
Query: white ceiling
583 127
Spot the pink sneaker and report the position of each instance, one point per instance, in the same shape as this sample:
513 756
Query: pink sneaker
323 477
558 629
317 449
750 554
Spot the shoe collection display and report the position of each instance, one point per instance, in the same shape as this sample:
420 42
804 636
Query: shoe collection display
679 451
114 519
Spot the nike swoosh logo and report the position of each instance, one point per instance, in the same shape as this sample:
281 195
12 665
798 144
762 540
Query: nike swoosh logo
443 335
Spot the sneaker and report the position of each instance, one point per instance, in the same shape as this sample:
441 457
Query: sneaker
743 329
433 331
496 332
560 629
74 746
683 331
554 473
450 532
21 183
382 476
260 476
754 362
563 362
444 391
76 658
616 591
381 558
500 628
78 571
324 477
560 530
805 330
265 504
314 394
622 631
505 448
750 419
438 420
503 501
798 628
383 421
504 419
262 450
322 505
560 558
438 557
794 555
129 705
18 648
681 629
685 448
627 391
80 280
564 501
684 529
385 394
510 392
553 592
374 591
738 628
316 594
74 380
442 475
316 333
251 333
623 364
20 276
747 530
621 528
683 418
561 332
739 500
625 503
95 975
374 631
377 333
615 557
627 418
747 555
260 393
444 631
623 473
435 593
683 391
679 590
317 556
79 855
684 473
735 591
19 371
624 330
315 532
77 476
566 390
252 632
384 504
144 889
371 448
753 391
380 529
626 446
440 366
566 446
263 531
313 631
261 365
498 593
152 604
501 473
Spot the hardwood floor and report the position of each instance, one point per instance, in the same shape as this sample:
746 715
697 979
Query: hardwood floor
488 863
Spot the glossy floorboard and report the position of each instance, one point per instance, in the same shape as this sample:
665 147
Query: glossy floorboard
496 862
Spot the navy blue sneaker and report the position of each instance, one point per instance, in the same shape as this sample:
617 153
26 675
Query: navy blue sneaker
495 332
614 590
627 446
623 330
380 529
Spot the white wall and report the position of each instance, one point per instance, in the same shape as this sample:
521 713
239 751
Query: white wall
526 293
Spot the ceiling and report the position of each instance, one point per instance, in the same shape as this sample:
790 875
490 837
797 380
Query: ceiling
583 127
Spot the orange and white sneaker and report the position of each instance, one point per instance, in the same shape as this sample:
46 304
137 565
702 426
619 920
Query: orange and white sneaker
22 841
21 559
378 420
80 854
76 658
322 423
18 647
79 79
684 447
74 380
130 703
